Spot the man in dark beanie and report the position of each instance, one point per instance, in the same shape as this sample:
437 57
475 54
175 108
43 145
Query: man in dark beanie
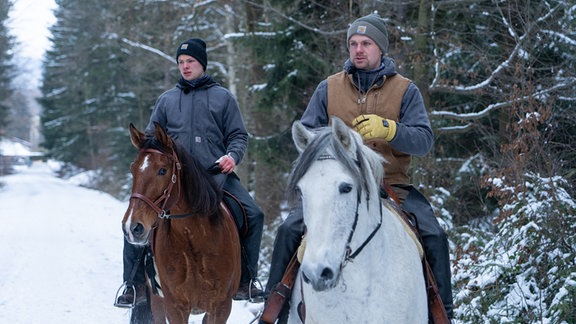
196 48
388 111
203 117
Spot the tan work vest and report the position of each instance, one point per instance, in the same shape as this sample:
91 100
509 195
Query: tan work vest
346 102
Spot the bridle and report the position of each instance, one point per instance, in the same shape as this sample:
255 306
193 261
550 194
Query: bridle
349 254
162 204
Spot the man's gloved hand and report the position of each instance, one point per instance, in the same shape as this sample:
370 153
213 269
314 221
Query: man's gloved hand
373 126
226 163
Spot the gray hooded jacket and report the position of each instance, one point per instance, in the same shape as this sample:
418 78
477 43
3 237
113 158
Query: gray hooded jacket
204 118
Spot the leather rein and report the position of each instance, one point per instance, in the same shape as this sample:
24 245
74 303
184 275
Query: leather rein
163 203
349 254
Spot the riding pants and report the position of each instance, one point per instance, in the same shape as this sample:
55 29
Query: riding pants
131 254
250 242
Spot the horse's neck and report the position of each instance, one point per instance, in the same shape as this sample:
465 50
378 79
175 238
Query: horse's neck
390 230
371 209
187 216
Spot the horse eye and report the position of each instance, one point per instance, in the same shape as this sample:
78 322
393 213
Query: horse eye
297 191
345 188
162 171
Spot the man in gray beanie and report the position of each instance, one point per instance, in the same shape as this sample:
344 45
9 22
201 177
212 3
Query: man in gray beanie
388 110
372 26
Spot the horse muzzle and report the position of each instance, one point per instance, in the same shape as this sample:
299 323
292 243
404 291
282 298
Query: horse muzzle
320 277
136 233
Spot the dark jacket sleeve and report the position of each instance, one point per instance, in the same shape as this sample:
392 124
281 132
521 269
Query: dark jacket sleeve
158 114
235 133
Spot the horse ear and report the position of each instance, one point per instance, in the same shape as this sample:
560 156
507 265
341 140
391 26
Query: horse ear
136 136
342 133
301 136
162 136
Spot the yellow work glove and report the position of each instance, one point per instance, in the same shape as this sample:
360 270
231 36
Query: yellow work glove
373 126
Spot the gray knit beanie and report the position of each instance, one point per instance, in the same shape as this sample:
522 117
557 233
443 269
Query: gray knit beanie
372 26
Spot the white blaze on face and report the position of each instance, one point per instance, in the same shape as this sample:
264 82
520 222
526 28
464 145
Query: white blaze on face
145 164
142 168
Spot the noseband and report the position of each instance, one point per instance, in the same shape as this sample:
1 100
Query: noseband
163 203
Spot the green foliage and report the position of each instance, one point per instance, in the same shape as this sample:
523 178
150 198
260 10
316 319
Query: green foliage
294 58
96 85
491 59
524 272
6 68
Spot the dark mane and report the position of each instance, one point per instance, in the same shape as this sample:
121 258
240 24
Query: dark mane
199 188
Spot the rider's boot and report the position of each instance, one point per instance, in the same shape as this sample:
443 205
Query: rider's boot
131 298
249 291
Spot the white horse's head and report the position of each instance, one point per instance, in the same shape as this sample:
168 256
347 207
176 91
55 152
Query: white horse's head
337 177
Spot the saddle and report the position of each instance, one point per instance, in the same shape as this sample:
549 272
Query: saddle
237 211
436 310
279 295
232 204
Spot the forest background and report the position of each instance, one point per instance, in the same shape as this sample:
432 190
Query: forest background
498 78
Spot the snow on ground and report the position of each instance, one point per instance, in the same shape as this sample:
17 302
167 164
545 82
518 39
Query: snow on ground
61 253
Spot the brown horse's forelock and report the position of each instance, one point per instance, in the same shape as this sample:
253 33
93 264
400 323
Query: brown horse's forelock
200 190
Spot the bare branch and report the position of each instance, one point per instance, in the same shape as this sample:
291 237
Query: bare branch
486 111
297 22
453 129
149 49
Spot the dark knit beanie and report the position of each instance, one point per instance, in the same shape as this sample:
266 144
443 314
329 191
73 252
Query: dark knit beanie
196 48
372 26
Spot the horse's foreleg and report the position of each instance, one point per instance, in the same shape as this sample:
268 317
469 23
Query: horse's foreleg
158 311
176 314
219 314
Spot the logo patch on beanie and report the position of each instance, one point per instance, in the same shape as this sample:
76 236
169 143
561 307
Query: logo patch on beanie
184 46
361 30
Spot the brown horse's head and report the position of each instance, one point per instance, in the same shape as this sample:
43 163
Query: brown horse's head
155 183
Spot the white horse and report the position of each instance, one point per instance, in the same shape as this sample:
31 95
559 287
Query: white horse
359 265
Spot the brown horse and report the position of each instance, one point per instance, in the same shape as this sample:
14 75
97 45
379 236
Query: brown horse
176 207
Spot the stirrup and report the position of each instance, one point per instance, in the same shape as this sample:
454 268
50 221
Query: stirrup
121 291
255 299
256 319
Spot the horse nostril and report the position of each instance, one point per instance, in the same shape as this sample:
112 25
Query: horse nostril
327 273
138 229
